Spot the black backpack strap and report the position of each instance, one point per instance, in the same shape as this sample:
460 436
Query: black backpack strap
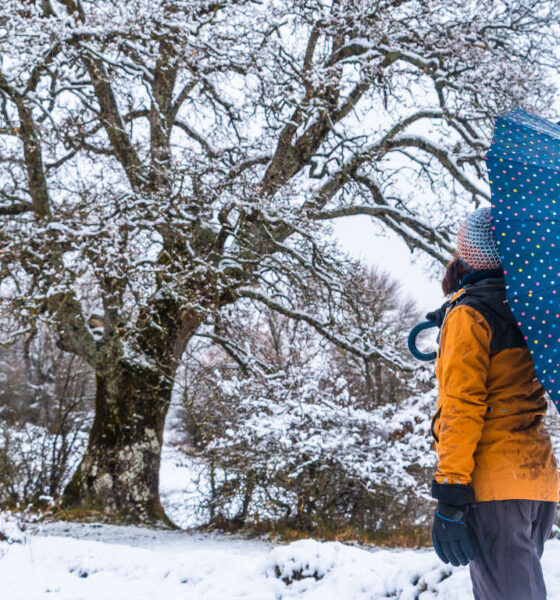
450 306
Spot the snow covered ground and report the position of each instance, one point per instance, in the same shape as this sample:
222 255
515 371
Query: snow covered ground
83 562
183 482
93 562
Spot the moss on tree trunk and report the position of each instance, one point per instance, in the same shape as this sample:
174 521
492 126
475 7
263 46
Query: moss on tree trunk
119 473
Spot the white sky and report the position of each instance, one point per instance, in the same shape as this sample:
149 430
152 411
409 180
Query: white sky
421 280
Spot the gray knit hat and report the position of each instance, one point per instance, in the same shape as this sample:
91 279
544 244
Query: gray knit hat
476 246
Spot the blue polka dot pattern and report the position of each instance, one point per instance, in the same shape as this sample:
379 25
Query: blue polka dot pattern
524 171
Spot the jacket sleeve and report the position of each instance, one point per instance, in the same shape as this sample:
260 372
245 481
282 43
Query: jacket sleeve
464 362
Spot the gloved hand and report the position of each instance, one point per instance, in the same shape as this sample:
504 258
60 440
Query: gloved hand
450 534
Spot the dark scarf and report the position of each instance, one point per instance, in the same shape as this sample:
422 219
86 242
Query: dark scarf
475 276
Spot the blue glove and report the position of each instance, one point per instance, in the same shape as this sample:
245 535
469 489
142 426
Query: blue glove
450 533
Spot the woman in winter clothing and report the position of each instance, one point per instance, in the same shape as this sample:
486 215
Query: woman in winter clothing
497 481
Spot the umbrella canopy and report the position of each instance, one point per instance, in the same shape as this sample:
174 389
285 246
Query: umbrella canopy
524 171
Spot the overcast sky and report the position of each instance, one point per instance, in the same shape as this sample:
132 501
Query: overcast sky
421 280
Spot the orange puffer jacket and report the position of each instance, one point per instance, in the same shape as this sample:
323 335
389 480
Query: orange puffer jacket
488 425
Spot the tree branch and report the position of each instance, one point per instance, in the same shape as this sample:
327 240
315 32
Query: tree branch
33 155
113 123
198 138
441 155
323 329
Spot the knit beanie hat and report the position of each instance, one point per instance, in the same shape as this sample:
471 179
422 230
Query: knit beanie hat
476 246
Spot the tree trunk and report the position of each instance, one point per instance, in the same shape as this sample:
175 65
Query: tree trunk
119 473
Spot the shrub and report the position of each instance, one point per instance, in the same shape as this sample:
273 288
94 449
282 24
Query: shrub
45 415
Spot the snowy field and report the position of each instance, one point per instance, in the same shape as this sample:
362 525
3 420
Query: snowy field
83 562
93 562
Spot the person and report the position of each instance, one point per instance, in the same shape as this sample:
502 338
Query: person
497 481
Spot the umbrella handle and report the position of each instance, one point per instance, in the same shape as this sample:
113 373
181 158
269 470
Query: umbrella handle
412 341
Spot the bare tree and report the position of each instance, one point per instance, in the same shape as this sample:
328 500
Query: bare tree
163 159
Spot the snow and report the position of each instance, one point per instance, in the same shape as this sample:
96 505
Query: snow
183 483
82 562
72 561
11 529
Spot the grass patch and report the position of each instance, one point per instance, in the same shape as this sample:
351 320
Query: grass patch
404 536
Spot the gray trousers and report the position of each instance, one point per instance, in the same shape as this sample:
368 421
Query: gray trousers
511 536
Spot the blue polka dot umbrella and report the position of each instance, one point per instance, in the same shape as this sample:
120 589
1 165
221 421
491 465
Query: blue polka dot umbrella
524 171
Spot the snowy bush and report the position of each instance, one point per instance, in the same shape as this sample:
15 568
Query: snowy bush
293 450
309 435
35 464
45 414
304 558
12 528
